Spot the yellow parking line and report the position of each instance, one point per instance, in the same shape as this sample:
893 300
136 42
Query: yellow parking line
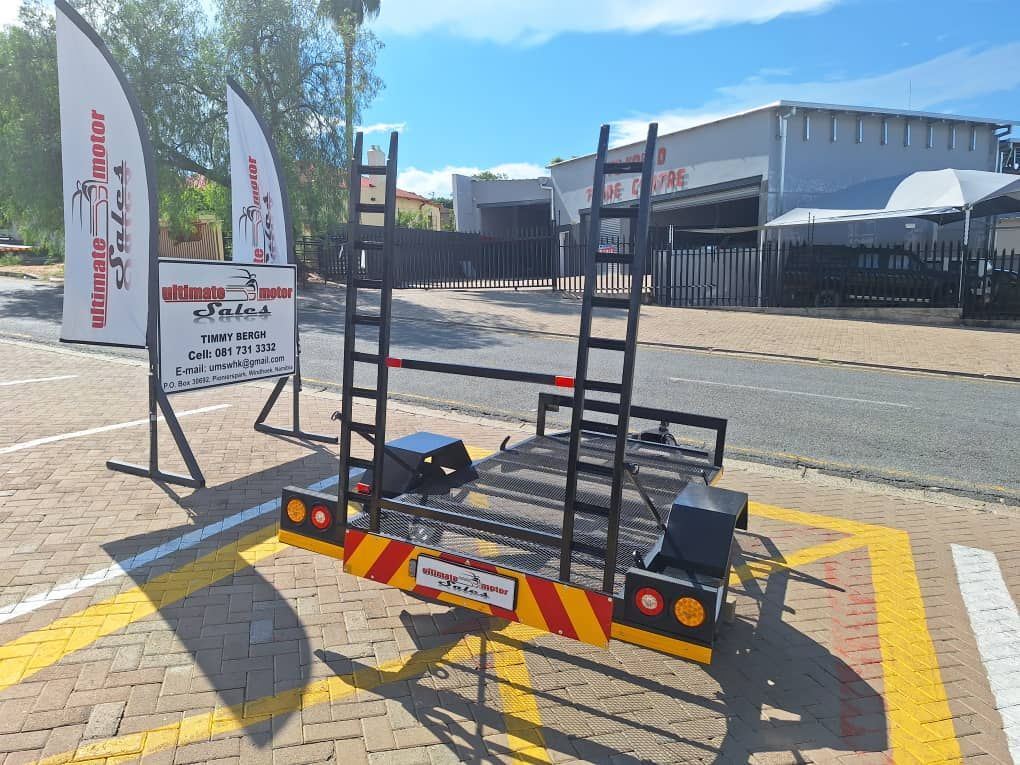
920 720
917 708
745 572
204 727
520 710
28 654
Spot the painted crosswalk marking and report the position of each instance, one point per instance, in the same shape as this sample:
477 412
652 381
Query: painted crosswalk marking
144 558
102 429
6 383
996 624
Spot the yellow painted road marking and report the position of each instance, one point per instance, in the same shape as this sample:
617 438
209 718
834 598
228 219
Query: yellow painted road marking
26 655
205 726
520 710
920 721
745 572
919 717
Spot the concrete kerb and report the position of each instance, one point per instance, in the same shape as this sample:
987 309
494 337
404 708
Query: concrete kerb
743 353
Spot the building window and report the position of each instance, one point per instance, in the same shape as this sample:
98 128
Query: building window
906 132
807 127
860 130
833 126
973 138
931 135
885 132
952 137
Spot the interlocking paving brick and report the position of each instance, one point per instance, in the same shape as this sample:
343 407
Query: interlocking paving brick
798 673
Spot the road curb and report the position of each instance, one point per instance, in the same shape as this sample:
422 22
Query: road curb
742 352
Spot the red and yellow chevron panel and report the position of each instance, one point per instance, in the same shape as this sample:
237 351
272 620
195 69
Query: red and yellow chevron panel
562 609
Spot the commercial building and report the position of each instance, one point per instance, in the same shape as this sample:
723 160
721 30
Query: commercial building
498 207
741 171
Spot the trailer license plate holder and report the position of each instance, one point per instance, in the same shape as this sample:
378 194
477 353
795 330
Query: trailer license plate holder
466 582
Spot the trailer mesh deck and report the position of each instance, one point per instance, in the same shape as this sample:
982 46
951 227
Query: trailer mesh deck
524 485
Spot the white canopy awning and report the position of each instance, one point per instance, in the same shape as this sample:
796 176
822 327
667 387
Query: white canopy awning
939 195
807 216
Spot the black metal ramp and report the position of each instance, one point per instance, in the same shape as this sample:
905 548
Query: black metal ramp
524 486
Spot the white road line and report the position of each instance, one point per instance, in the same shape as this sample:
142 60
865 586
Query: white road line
37 379
791 392
144 558
103 429
996 626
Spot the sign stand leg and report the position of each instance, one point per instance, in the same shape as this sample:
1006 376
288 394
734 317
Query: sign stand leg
158 400
295 430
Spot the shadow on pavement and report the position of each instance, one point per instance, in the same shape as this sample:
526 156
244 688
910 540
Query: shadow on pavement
243 635
40 302
771 690
425 327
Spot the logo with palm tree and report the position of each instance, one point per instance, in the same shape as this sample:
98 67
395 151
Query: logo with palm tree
246 286
250 220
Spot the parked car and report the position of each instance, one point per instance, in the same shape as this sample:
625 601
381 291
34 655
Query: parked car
831 275
997 287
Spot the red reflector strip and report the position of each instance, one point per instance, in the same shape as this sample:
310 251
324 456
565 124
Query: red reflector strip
363 488
564 382
394 363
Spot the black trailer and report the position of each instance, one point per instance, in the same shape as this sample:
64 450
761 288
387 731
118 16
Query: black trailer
598 532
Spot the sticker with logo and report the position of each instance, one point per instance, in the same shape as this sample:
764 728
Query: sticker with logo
470 583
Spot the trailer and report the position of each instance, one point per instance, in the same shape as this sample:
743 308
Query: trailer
599 532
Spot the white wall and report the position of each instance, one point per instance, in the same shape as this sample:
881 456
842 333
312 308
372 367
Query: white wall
702 156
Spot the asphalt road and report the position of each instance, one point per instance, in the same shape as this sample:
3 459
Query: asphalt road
920 430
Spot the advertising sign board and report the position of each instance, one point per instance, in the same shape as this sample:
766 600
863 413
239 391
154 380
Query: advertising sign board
223 323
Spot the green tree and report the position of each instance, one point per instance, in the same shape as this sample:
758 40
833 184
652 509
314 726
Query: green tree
347 17
414 219
489 175
30 178
291 64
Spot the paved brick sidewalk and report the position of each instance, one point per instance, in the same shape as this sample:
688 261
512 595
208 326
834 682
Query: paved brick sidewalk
949 349
851 642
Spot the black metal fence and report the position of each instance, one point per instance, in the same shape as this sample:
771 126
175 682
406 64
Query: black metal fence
713 277
442 259
984 283
992 285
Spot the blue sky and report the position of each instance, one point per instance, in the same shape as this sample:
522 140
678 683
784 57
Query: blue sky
487 84
478 84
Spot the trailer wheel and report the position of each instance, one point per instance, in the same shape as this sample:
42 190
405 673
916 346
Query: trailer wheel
827 299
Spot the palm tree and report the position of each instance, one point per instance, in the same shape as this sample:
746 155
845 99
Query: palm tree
348 16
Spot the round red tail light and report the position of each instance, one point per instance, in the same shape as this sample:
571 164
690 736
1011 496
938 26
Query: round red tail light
648 601
321 517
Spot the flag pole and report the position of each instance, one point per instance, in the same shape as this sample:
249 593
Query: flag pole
294 430
157 399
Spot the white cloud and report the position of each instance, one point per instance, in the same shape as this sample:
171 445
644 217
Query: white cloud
383 127
440 182
960 75
536 21
8 12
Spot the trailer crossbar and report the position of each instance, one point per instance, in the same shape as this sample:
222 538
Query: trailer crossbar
489 373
